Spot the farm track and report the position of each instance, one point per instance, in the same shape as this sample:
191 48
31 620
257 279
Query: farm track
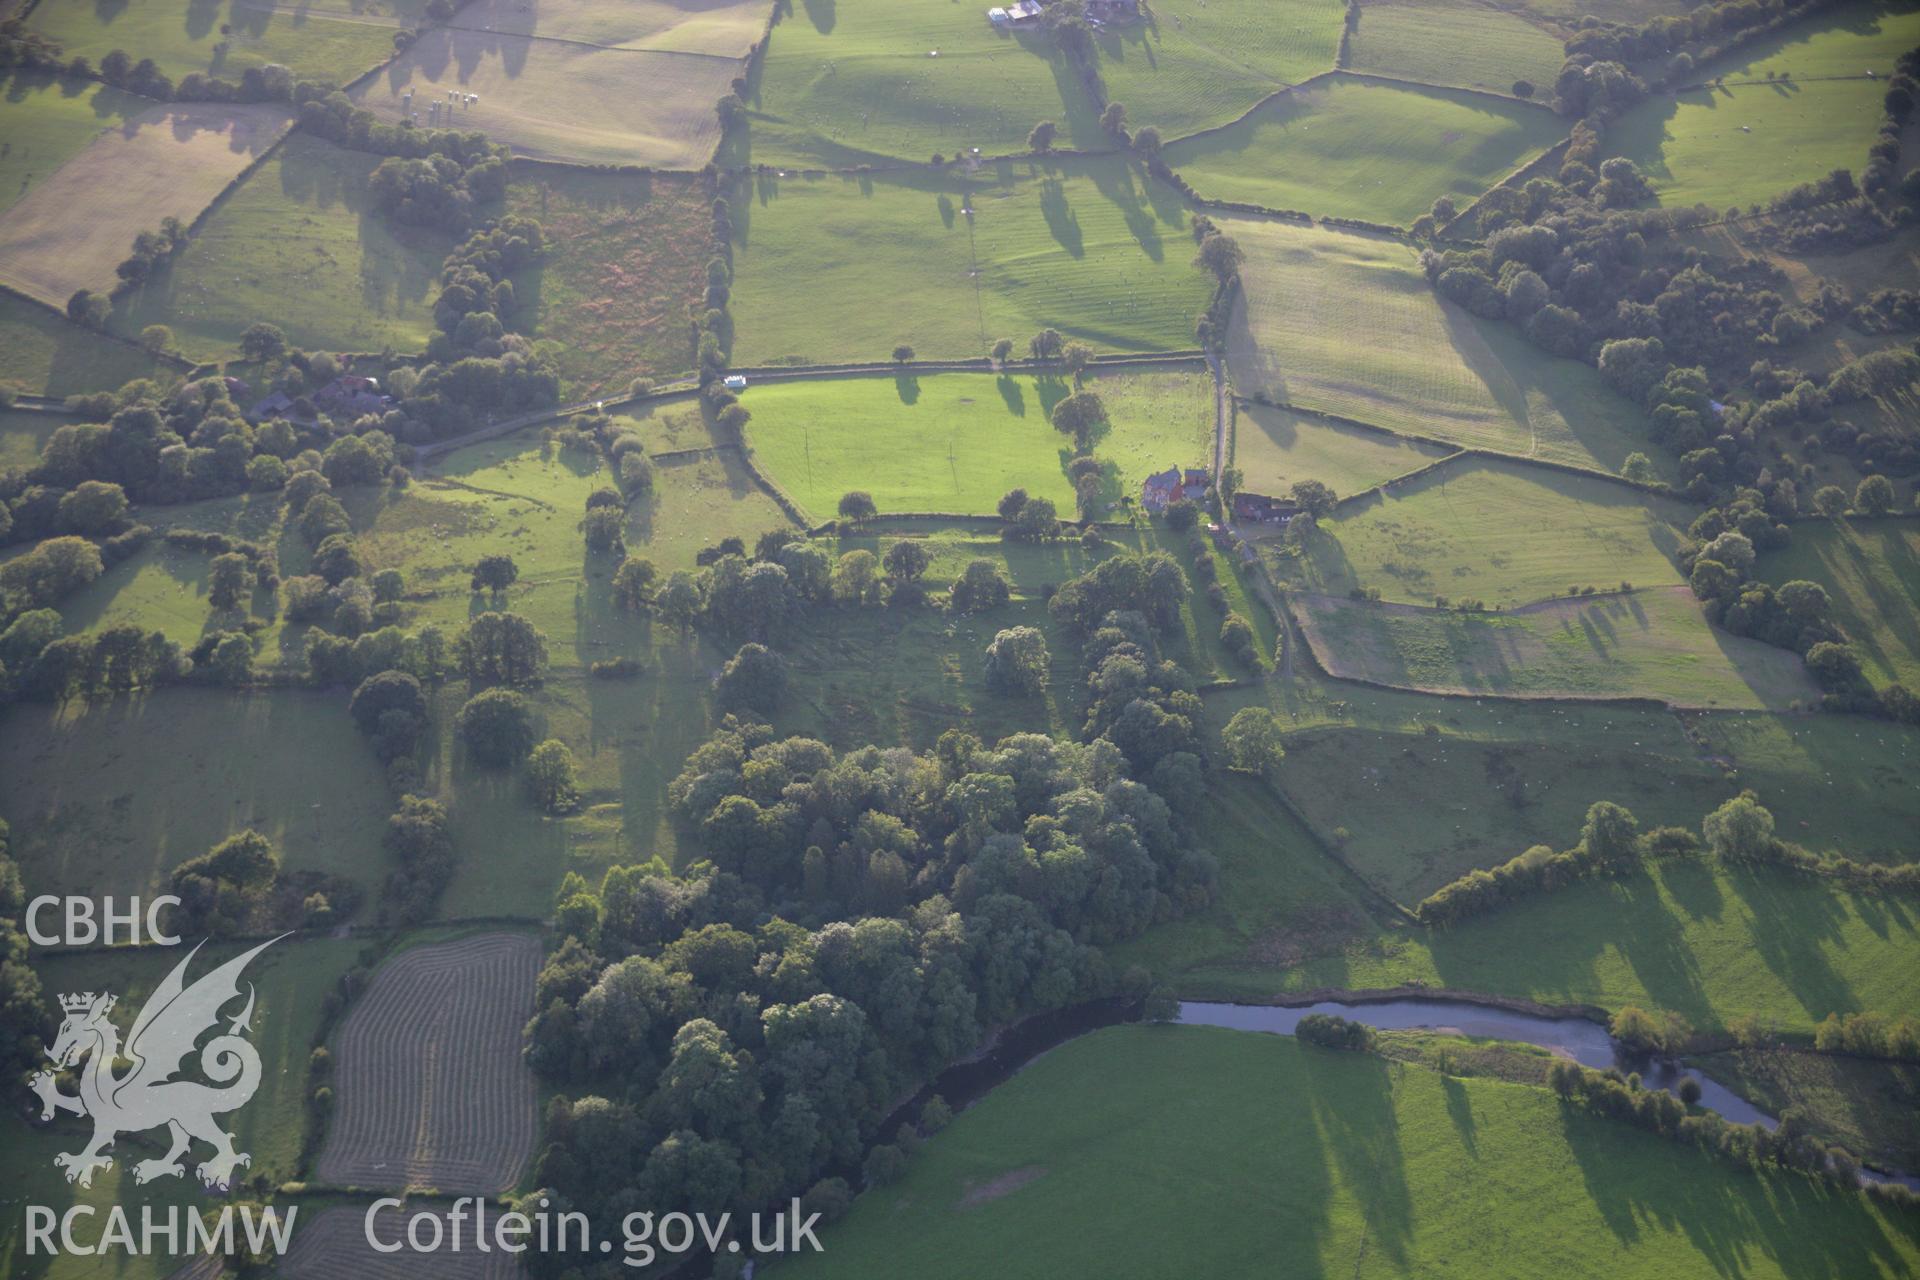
430 1086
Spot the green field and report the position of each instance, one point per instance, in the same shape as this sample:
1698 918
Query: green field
1275 449
845 267
1198 1150
102 795
47 120
1500 532
291 979
1158 417
1195 65
610 298
42 353
1455 42
301 226
1871 570
856 81
184 37
23 435
1347 324
946 442
1743 142
1351 147
1652 643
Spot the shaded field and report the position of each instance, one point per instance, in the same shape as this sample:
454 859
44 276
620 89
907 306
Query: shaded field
949 442
334 41
331 1244
430 1087
1198 65
558 101
845 267
1871 1108
611 297
291 980
1455 42
103 794
169 162
1739 142
858 81
23 435
47 120
1418 810
1871 570
1654 643
1357 148
1241 1146
302 225
1348 325
1500 532
1278 448
42 353
722 28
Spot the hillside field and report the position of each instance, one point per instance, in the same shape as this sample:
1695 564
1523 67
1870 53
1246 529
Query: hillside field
1871 570
1424 367
845 267
1193 66
555 100
301 225
1495 531
47 120
1352 147
170 161
183 37
1455 42
1744 140
1278 448
1240 1146
1654 643
862 81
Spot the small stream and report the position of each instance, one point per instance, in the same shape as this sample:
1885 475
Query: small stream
1585 1042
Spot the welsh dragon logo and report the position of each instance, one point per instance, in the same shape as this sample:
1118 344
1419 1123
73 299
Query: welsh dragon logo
147 1096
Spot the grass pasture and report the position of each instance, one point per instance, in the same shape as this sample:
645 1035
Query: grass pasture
1455 42
42 353
1277 448
1240 1146
1421 809
301 225
946 442
717 28
169 161
47 120
1157 417
432 1091
554 100
23 434
1744 140
836 268
103 795
182 36
1706 942
1423 367
1654 643
609 300
1352 147
1871 570
1194 66
1500 532
861 81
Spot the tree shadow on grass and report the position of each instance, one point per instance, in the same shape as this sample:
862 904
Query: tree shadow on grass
1353 1106
1637 1179
1794 920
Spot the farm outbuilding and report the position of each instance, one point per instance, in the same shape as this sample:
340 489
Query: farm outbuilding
1163 489
1255 508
